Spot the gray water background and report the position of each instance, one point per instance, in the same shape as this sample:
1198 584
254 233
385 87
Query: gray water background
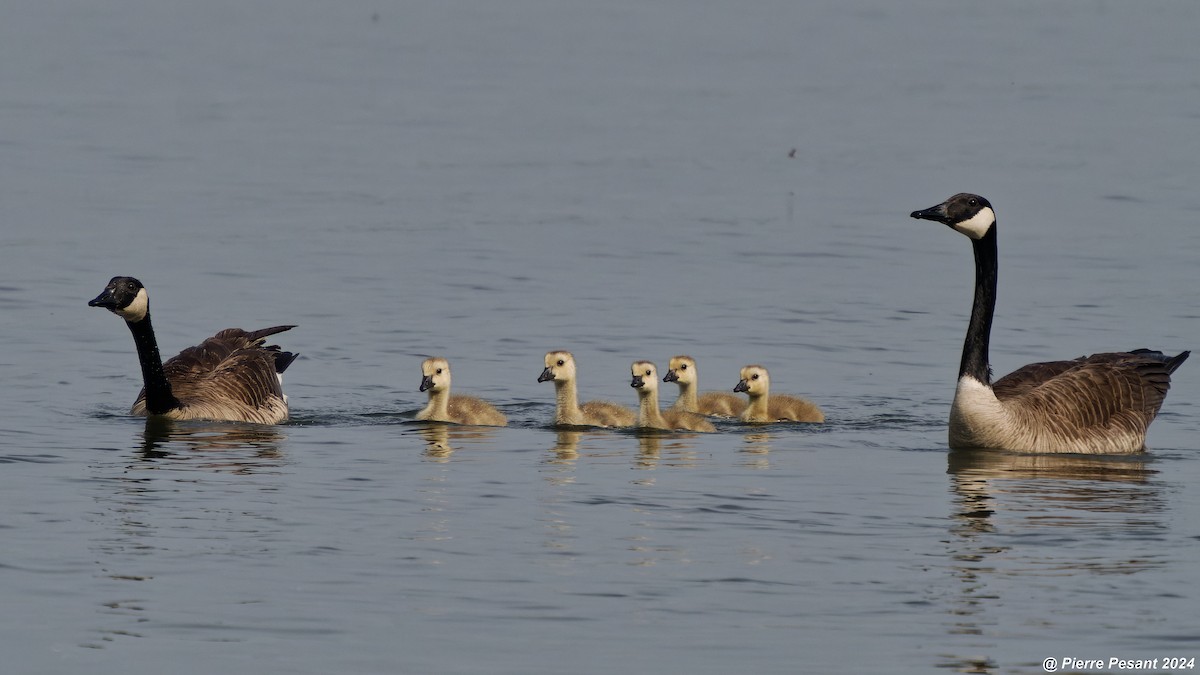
490 180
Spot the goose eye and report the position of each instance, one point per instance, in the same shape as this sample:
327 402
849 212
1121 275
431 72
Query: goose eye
647 372
560 362
439 371
973 202
754 376
683 367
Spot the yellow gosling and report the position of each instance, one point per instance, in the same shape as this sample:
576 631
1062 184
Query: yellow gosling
645 380
456 409
764 408
716 403
560 369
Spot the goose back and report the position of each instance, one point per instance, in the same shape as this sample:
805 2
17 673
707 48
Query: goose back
230 376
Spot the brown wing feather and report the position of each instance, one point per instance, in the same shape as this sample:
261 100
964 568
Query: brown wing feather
1118 390
1030 377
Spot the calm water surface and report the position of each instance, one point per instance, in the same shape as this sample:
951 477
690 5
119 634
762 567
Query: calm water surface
488 181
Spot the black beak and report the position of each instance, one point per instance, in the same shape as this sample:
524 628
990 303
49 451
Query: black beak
670 376
741 386
105 300
546 375
638 382
934 213
426 382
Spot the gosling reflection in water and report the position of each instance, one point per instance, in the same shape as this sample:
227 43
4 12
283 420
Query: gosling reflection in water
442 438
758 443
570 442
566 443
668 448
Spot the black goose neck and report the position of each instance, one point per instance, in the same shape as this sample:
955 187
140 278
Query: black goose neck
159 397
979 330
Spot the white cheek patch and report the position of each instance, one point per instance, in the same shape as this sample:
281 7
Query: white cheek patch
137 310
978 225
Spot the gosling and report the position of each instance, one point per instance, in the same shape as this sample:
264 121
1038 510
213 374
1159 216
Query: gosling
560 369
645 380
456 409
716 403
765 408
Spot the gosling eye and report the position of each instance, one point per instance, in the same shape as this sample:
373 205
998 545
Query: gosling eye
647 373
561 362
683 367
754 376
439 371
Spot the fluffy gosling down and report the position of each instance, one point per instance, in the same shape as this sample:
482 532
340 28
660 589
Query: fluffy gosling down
645 380
756 383
232 376
456 408
716 403
560 369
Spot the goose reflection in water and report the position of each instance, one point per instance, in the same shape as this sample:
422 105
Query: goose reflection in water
218 446
1051 520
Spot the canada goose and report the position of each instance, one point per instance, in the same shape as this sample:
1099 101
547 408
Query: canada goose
230 376
718 403
1101 403
560 368
756 382
459 409
645 380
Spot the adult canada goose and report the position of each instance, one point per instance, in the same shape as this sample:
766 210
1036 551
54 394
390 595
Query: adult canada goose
230 376
459 409
764 407
718 403
645 380
1101 403
560 369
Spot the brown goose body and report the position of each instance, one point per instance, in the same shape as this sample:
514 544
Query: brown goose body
1099 404
232 376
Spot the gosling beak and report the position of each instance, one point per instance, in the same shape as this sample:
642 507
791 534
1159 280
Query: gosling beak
546 376
741 386
670 376
426 382
638 382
